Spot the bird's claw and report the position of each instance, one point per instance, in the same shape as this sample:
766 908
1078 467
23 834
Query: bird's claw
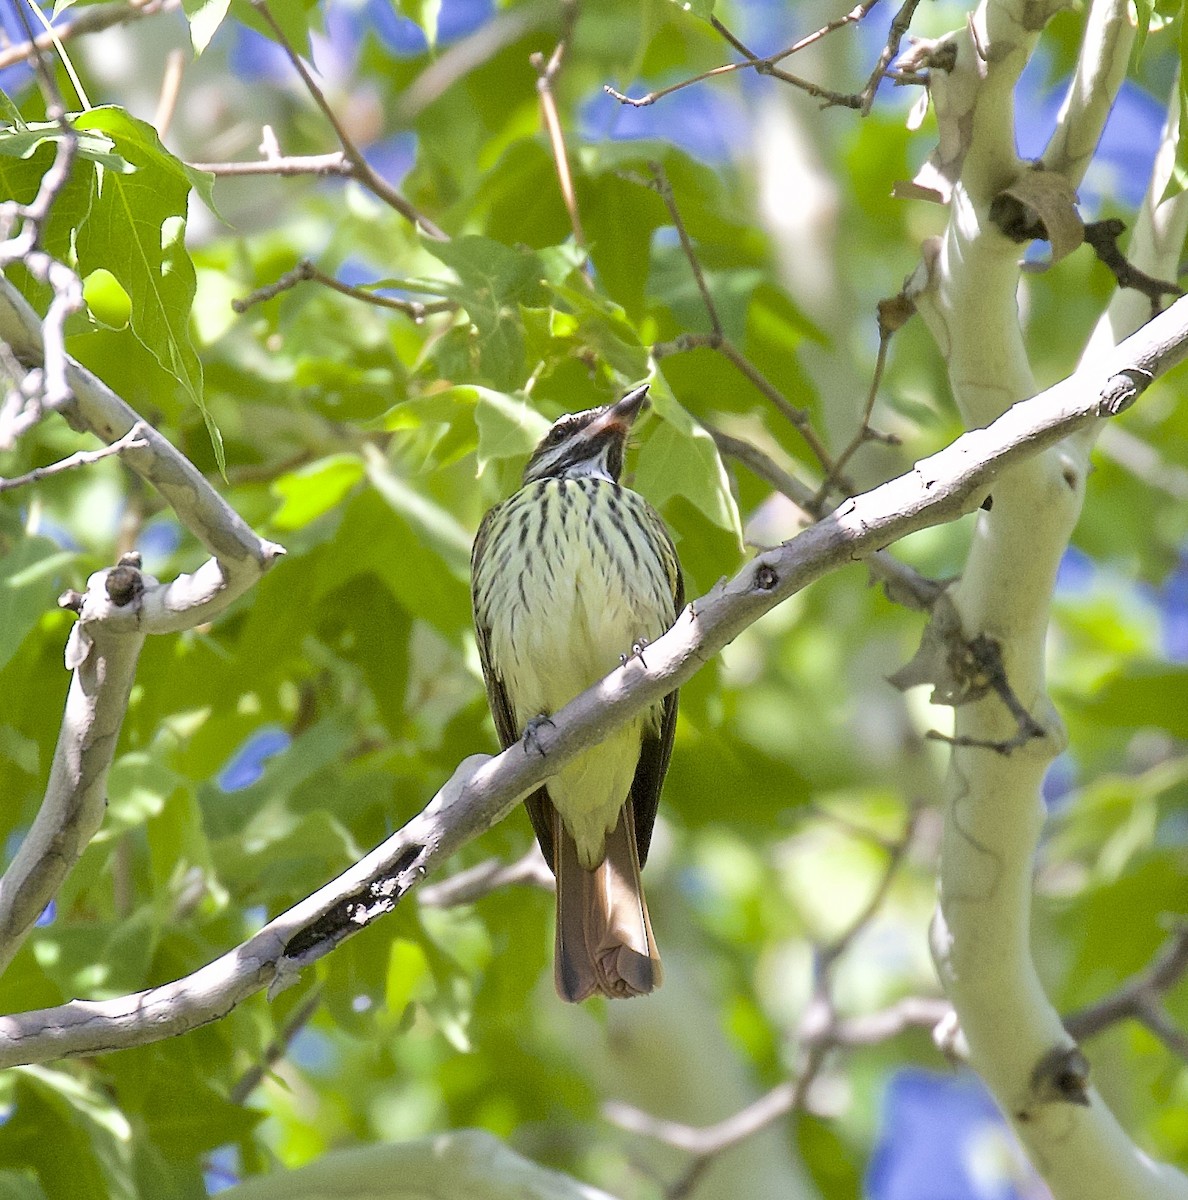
531 738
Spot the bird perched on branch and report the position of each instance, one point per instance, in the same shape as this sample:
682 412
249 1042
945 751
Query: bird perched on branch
567 575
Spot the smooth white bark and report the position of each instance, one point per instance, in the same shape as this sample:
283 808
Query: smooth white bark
993 806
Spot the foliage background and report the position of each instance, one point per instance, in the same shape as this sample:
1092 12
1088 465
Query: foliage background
266 753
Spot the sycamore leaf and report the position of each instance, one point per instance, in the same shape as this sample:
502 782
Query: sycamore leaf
136 230
678 458
23 141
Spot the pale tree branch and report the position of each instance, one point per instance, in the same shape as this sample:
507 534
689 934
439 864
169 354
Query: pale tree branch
1100 70
484 790
80 458
120 608
49 389
335 163
966 293
1140 999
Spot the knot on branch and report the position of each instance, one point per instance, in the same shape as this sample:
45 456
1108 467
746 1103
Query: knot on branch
1122 390
963 670
1040 205
124 581
1060 1077
765 577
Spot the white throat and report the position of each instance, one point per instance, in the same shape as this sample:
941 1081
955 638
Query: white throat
590 468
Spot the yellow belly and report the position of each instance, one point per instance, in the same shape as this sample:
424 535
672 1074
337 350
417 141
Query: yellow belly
561 607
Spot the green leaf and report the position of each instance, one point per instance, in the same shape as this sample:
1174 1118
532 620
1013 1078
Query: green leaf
312 490
73 1137
678 458
25 140
30 576
604 327
493 281
136 230
1144 696
433 525
507 427
205 17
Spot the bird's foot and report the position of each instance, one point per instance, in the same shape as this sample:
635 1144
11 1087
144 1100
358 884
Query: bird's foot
637 649
531 738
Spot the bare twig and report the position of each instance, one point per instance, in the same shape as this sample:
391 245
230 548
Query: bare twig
171 81
305 271
899 26
902 583
1103 237
491 876
1138 997
277 1048
335 163
363 171
546 72
25 246
765 65
891 317
81 458
716 339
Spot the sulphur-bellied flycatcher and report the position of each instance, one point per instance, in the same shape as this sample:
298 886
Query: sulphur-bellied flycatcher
567 575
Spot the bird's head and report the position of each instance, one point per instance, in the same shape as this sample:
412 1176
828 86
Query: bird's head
587 443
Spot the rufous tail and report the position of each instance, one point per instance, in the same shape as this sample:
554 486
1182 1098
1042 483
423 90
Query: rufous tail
604 934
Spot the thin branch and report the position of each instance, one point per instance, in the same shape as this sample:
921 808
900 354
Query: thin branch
305 272
335 163
484 790
88 20
661 185
546 72
716 339
891 316
132 440
1103 237
120 607
171 81
1144 990
900 25
763 65
363 171
828 954
491 876
277 1048
26 248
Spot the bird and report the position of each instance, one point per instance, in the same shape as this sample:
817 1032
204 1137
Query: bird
567 575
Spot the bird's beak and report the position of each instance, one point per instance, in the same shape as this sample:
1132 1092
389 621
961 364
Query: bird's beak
620 416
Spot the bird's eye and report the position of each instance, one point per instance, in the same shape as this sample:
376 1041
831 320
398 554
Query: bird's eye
556 435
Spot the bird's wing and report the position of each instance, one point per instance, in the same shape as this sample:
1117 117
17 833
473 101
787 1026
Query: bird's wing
656 750
540 808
